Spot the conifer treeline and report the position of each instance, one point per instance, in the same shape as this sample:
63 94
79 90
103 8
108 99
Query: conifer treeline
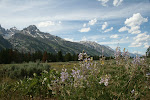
8 56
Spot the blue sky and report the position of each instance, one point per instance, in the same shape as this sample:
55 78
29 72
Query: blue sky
108 22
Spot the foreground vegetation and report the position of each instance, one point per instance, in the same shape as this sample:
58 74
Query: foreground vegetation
121 78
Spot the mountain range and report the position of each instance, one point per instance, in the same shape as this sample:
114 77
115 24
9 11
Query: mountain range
31 39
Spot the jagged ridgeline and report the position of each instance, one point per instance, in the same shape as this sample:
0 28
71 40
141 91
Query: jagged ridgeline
31 39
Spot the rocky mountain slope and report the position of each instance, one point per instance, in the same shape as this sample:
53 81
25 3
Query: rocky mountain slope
99 48
4 43
31 39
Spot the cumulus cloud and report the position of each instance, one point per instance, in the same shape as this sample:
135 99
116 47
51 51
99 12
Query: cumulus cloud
103 2
146 45
85 29
114 36
127 37
108 30
92 22
48 23
104 25
84 25
69 39
117 2
133 24
140 39
123 29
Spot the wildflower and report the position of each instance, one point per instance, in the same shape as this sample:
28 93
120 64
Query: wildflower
34 74
125 55
106 83
45 79
132 91
117 55
82 56
136 60
101 81
64 75
76 74
102 62
104 80
148 74
91 59
86 60
77 77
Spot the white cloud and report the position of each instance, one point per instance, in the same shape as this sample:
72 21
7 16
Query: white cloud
46 23
59 22
142 37
114 36
134 30
140 40
146 45
104 25
127 37
85 29
69 39
135 20
103 2
137 52
110 29
117 2
84 25
123 29
114 42
134 44
92 22
84 39
134 23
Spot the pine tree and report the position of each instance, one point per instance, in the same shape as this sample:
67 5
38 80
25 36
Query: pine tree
59 56
68 57
45 57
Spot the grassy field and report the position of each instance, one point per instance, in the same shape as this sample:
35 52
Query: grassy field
84 80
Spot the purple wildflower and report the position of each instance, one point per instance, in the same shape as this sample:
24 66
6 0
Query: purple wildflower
136 61
76 74
64 75
117 55
82 56
125 55
104 80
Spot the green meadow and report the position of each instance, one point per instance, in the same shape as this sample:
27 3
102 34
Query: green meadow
99 81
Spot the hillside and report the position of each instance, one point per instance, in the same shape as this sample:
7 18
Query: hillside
31 39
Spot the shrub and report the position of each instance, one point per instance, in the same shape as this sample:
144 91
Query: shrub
17 71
